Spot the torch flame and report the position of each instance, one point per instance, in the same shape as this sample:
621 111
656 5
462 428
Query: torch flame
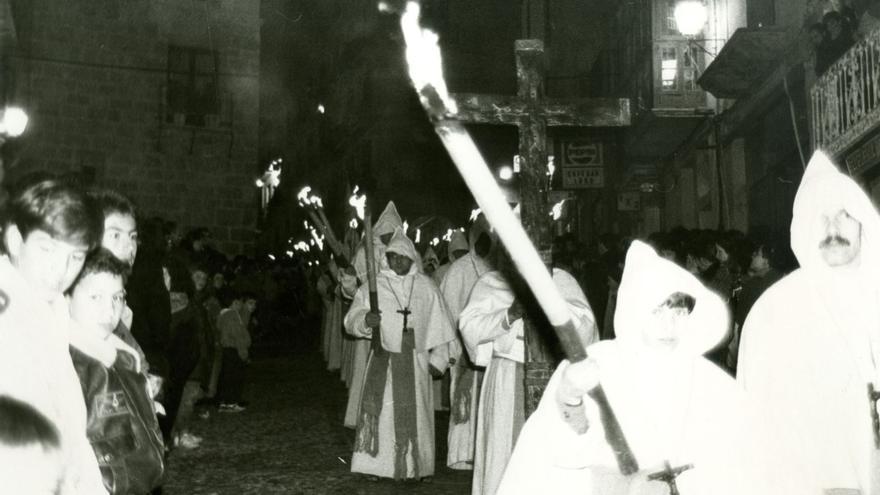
435 241
551 165
423 56
358 202
475 214
303 196
418 235
315 201
318 241
405 226
448 235
353 223
557 210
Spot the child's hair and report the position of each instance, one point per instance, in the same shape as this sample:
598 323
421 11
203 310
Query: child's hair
22 426
110 202
102 261
679 300
61 210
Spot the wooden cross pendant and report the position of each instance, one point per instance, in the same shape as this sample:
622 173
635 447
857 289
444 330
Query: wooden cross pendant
873 396
405 312
668 476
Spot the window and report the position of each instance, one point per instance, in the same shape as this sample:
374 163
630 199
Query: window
670 25
192 85
689 68
669 69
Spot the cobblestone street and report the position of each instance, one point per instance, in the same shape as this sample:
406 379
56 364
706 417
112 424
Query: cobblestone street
289 440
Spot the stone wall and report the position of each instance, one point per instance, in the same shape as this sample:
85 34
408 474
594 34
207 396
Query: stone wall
93 75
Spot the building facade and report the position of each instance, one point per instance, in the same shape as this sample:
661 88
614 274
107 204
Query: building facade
156 99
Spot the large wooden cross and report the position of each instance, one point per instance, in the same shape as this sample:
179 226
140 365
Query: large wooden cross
532 113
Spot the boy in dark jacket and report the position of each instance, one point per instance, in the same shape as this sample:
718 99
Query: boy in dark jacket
121 425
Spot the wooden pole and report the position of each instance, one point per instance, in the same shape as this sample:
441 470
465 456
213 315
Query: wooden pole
369 254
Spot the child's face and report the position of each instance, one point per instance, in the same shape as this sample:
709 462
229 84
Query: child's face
49 265
664 330
200 280
97 302
250 305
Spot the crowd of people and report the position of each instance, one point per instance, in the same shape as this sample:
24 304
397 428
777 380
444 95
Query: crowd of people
115 331
690 336
712 355
841 27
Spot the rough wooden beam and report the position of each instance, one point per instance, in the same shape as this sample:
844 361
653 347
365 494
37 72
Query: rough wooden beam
511 110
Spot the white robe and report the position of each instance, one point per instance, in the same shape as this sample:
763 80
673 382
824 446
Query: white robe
36 368
388 222
672 406
501 351
811 344
662 420
456 289
433 333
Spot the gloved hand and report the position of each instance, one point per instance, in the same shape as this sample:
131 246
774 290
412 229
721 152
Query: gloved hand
372 320
515 311
578 379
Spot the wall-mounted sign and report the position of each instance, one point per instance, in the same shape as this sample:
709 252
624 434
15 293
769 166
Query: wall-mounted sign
583 177
629 201
868 154
581 153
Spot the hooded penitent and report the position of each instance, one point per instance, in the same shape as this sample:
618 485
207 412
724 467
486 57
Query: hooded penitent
672 405
394 435
648 280
456 285
810 343
400 244
457 242
387 223
430 258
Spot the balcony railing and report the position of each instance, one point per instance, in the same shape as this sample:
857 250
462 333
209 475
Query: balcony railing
846 99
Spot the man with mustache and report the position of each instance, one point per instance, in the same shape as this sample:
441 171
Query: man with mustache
811 344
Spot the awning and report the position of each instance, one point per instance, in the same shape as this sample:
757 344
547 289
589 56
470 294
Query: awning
745 60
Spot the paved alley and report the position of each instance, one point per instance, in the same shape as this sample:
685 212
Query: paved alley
289 440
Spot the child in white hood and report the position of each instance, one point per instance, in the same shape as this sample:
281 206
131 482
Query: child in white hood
675 408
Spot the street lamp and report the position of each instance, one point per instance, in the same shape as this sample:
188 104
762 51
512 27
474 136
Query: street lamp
13 122
690 17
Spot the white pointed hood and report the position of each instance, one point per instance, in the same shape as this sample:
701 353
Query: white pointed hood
402 245
648 280
824 189
480 226
388 221
457 242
